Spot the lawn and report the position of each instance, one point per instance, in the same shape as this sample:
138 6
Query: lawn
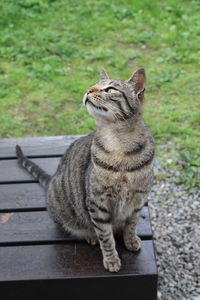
51 52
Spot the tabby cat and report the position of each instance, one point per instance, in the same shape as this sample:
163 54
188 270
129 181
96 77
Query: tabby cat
103 178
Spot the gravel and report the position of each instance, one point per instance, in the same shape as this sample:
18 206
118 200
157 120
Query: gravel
175 218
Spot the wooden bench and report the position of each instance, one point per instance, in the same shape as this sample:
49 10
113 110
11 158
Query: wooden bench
36 259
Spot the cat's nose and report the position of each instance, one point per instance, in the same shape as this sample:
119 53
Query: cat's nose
89 91
93 89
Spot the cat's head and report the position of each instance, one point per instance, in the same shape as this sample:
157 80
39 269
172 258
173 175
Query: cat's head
116 100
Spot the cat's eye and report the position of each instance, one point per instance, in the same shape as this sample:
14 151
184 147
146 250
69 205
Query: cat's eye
110 90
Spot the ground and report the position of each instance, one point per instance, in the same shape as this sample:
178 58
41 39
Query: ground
51 52
175 222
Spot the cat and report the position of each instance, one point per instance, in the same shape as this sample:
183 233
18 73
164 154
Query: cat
103 179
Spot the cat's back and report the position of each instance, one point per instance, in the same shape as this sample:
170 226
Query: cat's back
77 160
78 155
67 190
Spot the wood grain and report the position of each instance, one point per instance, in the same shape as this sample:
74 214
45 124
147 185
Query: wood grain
69 261
37 228
36 146
12 172
21 197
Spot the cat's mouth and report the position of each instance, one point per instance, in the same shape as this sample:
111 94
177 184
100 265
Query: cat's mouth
88 101
96 108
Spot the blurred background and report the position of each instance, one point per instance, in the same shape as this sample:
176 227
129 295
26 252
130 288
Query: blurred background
51 52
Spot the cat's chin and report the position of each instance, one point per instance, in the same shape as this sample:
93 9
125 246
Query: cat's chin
97 112
100 112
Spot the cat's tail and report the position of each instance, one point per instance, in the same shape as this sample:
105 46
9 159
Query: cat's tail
32 168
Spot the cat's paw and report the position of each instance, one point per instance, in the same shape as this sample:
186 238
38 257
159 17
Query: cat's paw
133 244
92 241
112 264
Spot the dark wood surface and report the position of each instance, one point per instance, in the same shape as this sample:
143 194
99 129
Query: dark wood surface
11 172
21 197
36 146
37 227
97 287
74 259
38 259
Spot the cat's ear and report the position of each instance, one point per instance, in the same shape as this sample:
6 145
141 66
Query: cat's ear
138 81
103 74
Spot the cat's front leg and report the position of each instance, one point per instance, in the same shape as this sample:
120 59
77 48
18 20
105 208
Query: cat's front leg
101 220
111 260
131 240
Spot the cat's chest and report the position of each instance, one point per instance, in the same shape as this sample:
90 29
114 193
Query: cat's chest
122 182
122 203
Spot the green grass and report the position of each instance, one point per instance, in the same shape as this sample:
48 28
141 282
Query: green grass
51 52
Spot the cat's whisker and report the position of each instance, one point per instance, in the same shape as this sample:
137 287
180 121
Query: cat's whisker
82 106
119 111
109 107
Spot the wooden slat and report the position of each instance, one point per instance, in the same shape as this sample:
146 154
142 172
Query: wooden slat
114 286
36 146
69 261
12 172
38 227
144 229
21 196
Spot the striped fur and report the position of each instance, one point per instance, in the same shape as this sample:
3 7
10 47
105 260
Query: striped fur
32 168
103 179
